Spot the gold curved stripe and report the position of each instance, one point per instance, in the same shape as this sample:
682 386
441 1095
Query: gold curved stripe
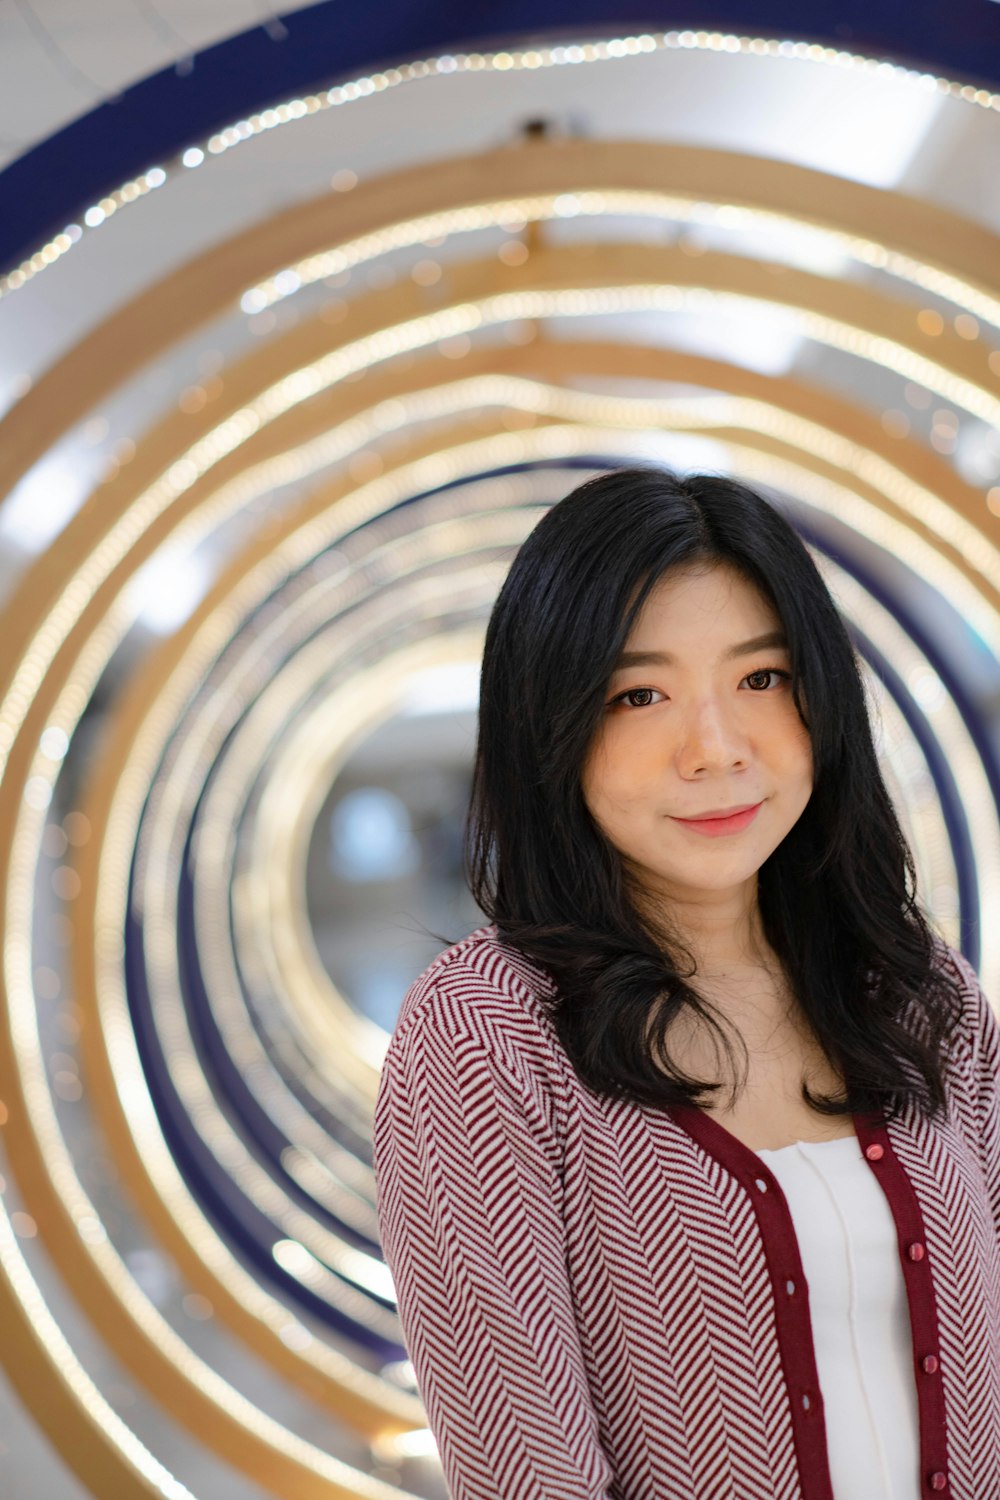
914 277
164 837
937 501
203 289
42 1367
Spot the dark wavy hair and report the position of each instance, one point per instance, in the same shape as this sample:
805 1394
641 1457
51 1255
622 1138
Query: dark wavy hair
837 897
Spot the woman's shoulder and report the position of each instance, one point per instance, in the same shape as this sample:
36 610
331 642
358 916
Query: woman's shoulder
977 1024
955 967
479 986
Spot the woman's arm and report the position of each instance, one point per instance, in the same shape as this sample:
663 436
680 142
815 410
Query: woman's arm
469 1208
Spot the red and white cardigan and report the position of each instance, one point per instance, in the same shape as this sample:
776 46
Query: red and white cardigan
601 1299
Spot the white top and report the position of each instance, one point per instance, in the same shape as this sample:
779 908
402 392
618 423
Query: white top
860 1318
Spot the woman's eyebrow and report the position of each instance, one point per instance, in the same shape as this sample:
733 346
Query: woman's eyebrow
772 640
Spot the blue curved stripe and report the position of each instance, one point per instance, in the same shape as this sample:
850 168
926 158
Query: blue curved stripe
956 815
241 1224
151 122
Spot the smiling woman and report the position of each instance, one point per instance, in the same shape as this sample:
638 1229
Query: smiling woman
617 698
680 832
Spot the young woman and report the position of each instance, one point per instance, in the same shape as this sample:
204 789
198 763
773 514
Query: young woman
689 1161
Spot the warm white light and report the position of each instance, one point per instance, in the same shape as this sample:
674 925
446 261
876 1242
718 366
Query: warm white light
416 1444
452 687
39 506
54 743
164 592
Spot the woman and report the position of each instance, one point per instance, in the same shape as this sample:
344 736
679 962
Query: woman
689 1162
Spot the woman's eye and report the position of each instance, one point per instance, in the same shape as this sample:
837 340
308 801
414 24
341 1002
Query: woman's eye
638 697
765 678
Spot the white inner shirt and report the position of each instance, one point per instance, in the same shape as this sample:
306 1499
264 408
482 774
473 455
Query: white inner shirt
860 1317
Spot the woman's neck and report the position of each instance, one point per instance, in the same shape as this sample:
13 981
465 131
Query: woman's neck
721 930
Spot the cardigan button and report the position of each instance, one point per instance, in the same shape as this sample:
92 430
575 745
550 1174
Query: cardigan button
762 1184
790 1288
874 1153
939 1481
916 1251
929 1364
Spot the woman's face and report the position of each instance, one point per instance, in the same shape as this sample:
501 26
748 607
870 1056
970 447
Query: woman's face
699 723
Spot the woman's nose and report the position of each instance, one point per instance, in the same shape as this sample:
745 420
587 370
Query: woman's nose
712 740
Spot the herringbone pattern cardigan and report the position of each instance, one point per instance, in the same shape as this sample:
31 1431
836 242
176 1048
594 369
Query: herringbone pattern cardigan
601 1299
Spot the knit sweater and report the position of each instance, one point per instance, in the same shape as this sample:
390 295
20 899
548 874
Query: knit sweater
606 1301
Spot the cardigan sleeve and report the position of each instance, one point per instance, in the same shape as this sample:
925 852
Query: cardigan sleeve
985 1078
467 1169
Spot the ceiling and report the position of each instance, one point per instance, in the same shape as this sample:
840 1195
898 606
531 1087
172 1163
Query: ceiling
137 80
59 59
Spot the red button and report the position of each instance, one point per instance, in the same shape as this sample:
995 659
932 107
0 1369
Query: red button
929 1364
874 1153
916 1252
939 1481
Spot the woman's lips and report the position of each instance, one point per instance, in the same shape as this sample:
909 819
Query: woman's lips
714 827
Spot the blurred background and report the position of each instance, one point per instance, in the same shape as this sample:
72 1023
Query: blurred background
304 319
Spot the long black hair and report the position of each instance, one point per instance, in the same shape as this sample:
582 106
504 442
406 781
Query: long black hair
837 896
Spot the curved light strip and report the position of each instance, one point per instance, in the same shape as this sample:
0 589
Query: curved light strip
600 203
227 869
895 645
676 413
339 1020
130 784
514 60
67 1370
230 867
728 176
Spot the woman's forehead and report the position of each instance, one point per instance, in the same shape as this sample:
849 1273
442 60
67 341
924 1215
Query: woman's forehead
703 597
